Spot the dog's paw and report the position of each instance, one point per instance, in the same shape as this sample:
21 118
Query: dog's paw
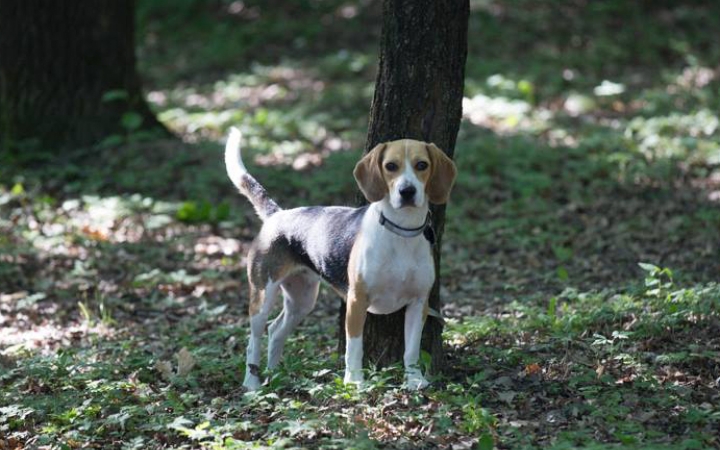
252 383
414 381
354 377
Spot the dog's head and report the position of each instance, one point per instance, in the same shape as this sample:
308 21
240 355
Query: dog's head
407 171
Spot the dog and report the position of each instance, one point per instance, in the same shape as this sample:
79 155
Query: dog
377 257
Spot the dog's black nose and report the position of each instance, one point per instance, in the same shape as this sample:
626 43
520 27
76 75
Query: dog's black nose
408 192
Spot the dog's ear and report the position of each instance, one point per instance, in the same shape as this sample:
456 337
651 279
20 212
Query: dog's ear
368 174
442 176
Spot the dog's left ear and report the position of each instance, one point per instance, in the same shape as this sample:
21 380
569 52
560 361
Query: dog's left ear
442 176
368 175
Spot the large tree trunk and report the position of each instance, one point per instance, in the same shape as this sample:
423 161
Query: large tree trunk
418 95
57 61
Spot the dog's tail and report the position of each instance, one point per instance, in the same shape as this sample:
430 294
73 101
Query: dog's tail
248 186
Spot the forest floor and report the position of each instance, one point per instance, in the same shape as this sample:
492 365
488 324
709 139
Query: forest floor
580 259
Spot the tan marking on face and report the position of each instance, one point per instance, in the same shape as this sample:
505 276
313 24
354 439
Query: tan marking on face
419 154
402 152
394 154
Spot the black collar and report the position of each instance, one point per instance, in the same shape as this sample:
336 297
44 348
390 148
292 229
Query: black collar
406 232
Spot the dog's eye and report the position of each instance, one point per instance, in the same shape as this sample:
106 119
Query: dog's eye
421 165
391 167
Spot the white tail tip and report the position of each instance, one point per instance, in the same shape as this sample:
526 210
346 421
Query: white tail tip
233 161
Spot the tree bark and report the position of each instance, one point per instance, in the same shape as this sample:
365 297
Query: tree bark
57 60
418 95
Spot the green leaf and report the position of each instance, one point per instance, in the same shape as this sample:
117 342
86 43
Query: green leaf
552 307
189 212
113 140
116 94
486 442
180 423
221 212
425 359
261 116
647 267
181 276
692 444
204 211
527 89
626 438
131 121
17 189
563 254
562 273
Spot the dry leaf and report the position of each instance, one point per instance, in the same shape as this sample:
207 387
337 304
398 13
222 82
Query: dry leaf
92 233
186 362
507 396
165 369
533 369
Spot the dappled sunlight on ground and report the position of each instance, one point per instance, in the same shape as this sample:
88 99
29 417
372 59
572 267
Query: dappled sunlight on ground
586 148
278 109
21 337
503 115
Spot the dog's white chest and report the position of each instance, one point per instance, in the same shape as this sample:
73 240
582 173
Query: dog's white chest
396 271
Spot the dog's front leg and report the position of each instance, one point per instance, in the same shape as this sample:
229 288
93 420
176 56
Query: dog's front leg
414 321
356 312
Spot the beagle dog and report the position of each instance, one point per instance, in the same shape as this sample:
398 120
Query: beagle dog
377 257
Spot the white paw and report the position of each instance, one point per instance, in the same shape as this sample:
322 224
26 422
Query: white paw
251 383
414 380
354 377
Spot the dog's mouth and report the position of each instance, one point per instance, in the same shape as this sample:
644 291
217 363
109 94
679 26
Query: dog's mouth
407 203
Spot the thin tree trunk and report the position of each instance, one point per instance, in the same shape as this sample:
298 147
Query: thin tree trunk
57 60
418 95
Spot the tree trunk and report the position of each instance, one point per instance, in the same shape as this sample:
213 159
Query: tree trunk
418 95
57 61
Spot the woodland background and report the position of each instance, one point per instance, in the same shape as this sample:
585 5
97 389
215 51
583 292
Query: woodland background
581 251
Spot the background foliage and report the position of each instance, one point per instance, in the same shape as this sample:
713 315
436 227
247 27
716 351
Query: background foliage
581 254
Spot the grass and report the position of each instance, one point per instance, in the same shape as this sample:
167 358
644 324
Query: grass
580 255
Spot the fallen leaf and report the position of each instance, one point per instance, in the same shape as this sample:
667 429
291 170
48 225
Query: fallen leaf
95 234
533 369
600 370
165 369
507 396
186 362
504 381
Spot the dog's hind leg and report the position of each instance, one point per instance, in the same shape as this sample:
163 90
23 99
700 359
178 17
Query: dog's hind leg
300 291
261 303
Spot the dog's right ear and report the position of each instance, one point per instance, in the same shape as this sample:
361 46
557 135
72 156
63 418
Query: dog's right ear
368 174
